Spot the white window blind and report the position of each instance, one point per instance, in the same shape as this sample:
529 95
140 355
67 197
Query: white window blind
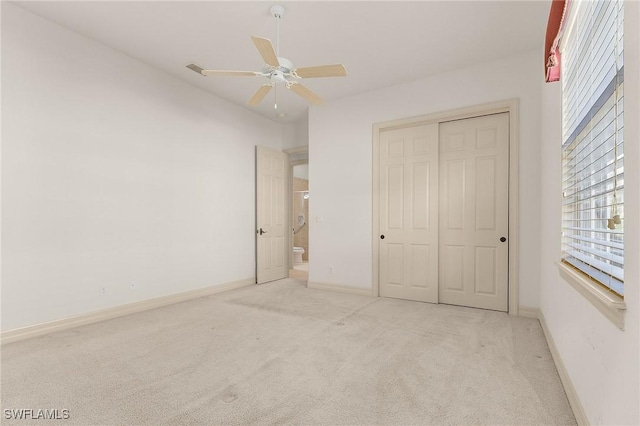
593 150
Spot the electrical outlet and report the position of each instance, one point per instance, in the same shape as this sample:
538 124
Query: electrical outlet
133 285
103 290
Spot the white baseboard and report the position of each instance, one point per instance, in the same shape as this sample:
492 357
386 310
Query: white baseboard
343 289
572 395
35 330
528 312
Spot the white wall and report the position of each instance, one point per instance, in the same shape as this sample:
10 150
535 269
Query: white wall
602 361
340 152
296 134
114 172
301 171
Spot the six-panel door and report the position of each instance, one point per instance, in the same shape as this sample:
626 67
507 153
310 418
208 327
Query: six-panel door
474 212
409 213
271 211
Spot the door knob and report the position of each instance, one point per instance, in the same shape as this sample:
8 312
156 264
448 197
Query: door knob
261 231
382 237
503 239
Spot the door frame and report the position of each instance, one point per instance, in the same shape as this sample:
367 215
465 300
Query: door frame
297 156
512 107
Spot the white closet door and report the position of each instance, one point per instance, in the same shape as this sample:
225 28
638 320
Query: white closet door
474 212
271 209
408 213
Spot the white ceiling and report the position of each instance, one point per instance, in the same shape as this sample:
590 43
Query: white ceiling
380 43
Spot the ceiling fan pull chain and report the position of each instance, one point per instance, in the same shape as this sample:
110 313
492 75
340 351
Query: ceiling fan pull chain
278 35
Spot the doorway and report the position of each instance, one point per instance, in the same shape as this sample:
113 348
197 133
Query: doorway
299 264
282 211
445 208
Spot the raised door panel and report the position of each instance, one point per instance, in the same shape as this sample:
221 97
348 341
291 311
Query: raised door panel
485 199
395 196
453 194
420 264
452 268
420 189
485 264
395 262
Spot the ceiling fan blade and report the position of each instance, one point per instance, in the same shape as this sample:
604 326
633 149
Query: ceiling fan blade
231 73
260 94
337 70
266 50
306 93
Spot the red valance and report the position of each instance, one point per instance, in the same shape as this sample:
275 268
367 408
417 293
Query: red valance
551 51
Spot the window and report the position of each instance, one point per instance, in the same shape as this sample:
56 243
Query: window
592 76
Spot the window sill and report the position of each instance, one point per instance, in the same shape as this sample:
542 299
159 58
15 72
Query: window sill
609 304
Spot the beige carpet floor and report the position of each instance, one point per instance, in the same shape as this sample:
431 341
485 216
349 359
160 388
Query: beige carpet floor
280 353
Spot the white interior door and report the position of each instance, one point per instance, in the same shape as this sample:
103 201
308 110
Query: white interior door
408 213
474 212
271 215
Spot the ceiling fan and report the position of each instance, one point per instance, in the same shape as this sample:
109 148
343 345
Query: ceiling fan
278 69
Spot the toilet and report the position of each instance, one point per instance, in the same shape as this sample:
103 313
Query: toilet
297 254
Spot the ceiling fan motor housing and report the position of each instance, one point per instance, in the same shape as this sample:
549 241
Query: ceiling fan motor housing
280 74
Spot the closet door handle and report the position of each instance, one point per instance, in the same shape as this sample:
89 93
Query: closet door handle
382 237
503 239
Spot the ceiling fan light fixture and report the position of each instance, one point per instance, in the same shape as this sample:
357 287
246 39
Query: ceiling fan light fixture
277 76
